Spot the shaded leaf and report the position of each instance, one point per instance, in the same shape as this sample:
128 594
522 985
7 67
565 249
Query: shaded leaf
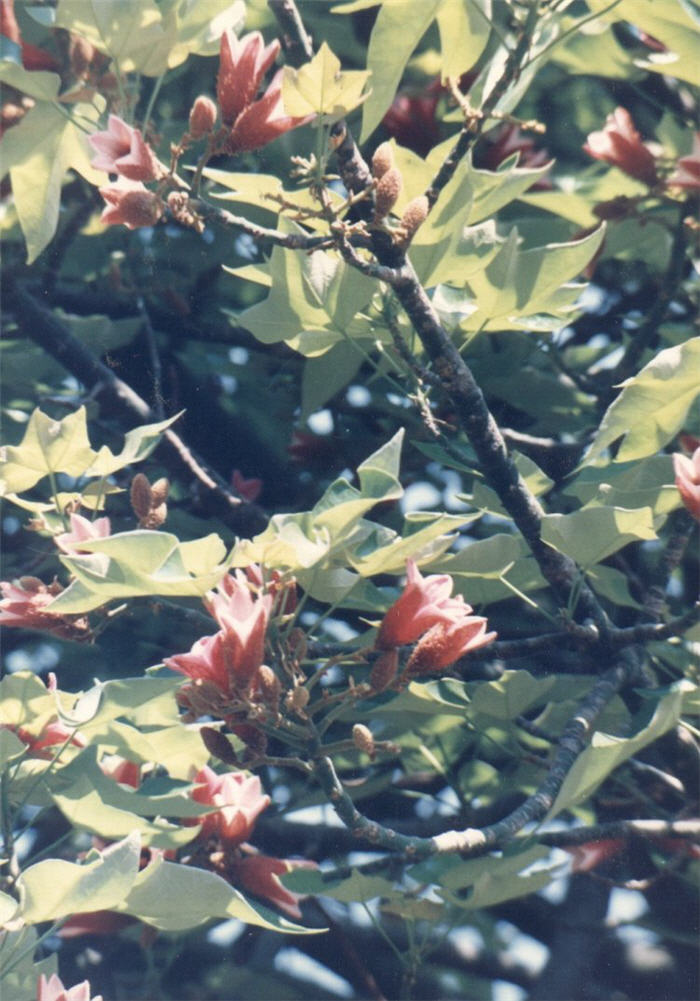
591 534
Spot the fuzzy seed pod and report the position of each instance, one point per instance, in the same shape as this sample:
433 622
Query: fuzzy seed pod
363 740
155 517
159 491
388 190
140 496
31 584
269 685
383 160
384 670
414 215
202 117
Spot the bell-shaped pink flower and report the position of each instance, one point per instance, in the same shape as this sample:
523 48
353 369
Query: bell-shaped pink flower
243 618
239 800
418 608
206 661
446 642
262 121
260 874
619 144
122 150
130 204
82 530
23 605
53 990
687 472
243 62
687 172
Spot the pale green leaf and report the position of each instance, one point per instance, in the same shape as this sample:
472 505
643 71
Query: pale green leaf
606 751
138 445
134 35
591 534
510 695
320 87
465 26
645 483
19 974
174 897
652 406
399 27
611 584
55 888
38 151
355 888
39 84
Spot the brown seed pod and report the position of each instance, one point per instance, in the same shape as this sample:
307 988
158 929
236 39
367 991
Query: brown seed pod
269 685
414 215
384 670
218 745
383 160
141 497
363 740
155 517
388 190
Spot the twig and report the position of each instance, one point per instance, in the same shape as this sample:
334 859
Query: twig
296 41
292 241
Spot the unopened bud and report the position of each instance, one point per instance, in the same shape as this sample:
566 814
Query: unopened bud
140 208
155 517
159 491
384 670
202 117
363 740
31 584
298 698
383 160
269 685
388 190
218 745
141 496
414 215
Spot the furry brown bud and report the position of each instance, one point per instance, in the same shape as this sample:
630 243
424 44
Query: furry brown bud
414 215
383 160
218 745
269 685
155 517
363 740
159 491
202 117
388 190
298 698
384 670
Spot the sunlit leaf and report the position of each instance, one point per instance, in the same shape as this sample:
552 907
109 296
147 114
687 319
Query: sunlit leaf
320 87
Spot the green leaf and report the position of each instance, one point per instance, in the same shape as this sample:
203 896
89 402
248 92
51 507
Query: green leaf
593 533
465 26
8 909
135 36
312 303
50 446
594 44
174 897
39 84
652 406
327 374
399 27
606 751
38 151
130 564
25 702
537 482
55 888
355 888
510 695
19 973
611 584
320 87
645 483
11 747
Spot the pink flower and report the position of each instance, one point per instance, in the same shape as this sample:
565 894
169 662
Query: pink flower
261 875
53 990
590 854
249 490
239 800
243 618
242 65
446 642
81 530
23 605
621 145
130 204
418 608
688 480
123 150
687 173
243 62
206 660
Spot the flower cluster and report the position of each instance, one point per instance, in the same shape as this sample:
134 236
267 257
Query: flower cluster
52 989
123 151
442 625
24 604
239 801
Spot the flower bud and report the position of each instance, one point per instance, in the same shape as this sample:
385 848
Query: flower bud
202 117
141 496
155 517
388 190
363 740
383 160
298 698
384 670
140 208
269 686
414 215
159 491
218 745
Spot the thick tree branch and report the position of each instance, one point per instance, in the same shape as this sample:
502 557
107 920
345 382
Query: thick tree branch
297 43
